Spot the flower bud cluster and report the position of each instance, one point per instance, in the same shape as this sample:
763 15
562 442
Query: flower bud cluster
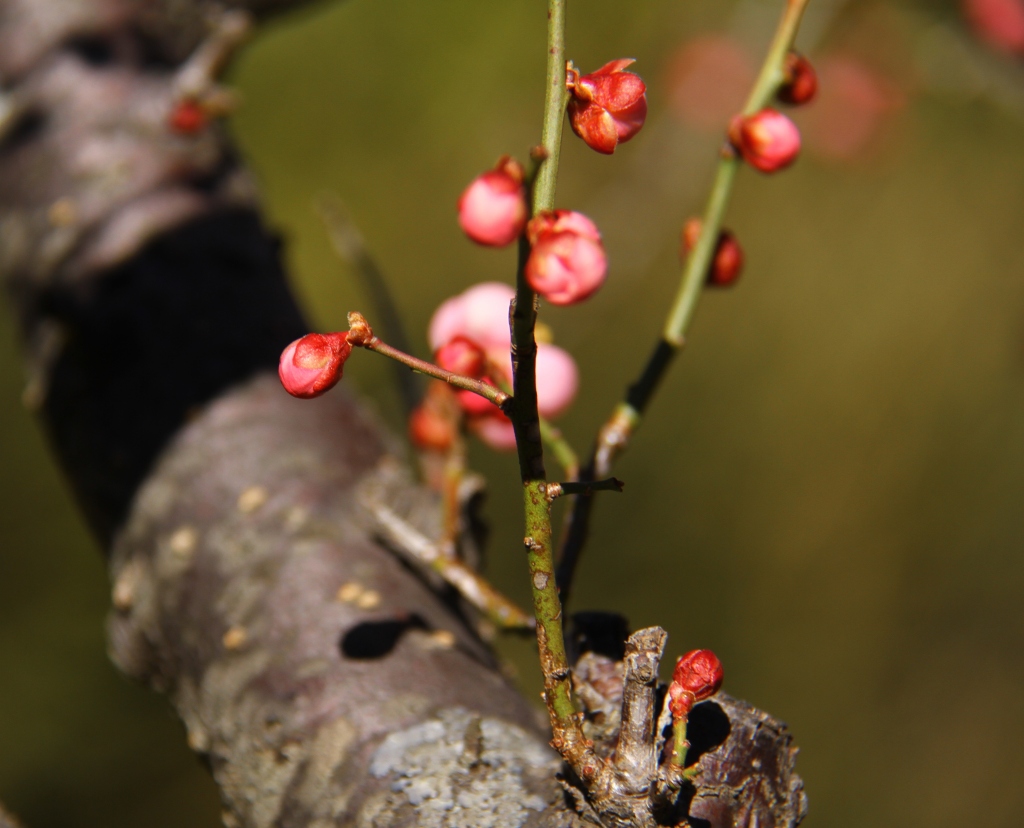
469 334
768 140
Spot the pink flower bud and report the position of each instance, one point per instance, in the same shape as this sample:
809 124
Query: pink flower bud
474 405
558 380
462 356
492 210
312 365
767 140
479 313
698 676
567 262
479 316
497 432
607 107
800 84
429 429
999 22
727 263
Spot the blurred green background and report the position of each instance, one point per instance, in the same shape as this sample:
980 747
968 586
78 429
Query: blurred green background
828 489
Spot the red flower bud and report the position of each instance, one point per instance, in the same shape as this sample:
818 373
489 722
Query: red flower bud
476 406
767 140
999 22
727 263
607 107
492 210
800 84
312 365
698 676
567 262
430 429
462 356
187 117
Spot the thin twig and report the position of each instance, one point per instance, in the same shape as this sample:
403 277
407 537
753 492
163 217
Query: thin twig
367 339
567 735
408 541
576 487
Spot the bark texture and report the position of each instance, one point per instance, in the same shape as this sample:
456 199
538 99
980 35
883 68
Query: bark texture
327 682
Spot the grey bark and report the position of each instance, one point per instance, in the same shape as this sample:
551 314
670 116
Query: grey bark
327 683
6 820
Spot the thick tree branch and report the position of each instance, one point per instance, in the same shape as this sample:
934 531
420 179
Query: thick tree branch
326 682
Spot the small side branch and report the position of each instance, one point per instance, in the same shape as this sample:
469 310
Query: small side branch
586 489
410 543
361 336
615 434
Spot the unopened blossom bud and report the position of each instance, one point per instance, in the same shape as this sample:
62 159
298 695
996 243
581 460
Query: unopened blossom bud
698 676
567 261
187 117
492 210
497 432
462 356
727 263
998 22
800 83
312 365
607 107
767 140
474 405
429 429
480 313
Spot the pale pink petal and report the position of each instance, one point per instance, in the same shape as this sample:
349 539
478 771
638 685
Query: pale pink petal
495 432
486 314
447 322
557 380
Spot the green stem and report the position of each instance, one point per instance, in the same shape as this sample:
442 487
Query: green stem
628 414
567 736
555 99
679 743
564 453
699 260
550 435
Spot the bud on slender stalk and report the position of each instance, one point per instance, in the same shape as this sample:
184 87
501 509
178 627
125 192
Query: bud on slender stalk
698 676
606 107
801 81
312 365
727 263
567 261
767 140
493 210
